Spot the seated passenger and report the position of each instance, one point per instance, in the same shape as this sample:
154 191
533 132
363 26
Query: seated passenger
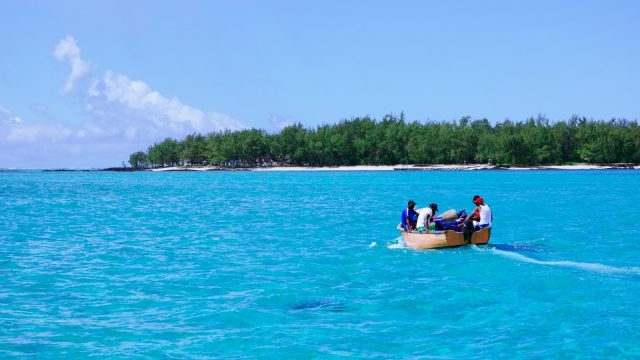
425 219
409 216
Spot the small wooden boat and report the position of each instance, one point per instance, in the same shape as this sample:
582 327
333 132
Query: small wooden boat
442 239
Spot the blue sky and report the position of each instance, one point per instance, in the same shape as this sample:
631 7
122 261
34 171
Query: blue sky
85 83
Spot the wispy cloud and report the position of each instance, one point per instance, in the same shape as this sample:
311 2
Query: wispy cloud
281 122
67 50
6 118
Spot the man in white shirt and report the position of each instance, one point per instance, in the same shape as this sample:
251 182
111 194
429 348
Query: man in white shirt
481 214
425 219
480 217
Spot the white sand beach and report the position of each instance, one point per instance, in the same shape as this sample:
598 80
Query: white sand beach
186 168
437 167
329 168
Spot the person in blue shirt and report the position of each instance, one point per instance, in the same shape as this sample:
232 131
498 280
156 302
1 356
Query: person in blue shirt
409 216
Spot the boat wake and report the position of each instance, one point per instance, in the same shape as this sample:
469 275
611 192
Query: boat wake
591 267
397 243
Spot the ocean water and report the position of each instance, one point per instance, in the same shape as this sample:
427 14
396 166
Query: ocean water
309 265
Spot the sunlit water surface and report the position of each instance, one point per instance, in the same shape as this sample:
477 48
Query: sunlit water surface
309 265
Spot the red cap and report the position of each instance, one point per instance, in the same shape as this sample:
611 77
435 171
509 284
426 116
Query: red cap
478 200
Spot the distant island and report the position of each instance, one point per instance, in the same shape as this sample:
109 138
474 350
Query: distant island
368 143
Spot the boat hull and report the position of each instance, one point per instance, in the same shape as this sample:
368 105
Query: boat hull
443 239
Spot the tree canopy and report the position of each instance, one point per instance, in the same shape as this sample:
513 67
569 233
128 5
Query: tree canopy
392 140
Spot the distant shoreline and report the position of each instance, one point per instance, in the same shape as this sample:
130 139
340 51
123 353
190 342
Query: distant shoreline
437 167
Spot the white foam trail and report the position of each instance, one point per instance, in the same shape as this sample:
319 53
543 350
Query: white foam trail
593 267
399 243
373 244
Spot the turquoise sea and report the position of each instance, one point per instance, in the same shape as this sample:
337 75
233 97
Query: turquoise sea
309 265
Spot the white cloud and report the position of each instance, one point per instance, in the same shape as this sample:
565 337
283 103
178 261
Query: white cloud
67 50
120 116
117 93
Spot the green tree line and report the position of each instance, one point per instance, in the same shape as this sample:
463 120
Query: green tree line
392 140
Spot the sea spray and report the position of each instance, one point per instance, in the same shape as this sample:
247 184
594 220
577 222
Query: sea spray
397 243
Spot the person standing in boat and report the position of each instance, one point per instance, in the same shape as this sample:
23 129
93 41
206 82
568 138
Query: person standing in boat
481 217
425 219
409 216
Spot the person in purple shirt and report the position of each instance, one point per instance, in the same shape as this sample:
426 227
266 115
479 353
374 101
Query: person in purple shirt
409 216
